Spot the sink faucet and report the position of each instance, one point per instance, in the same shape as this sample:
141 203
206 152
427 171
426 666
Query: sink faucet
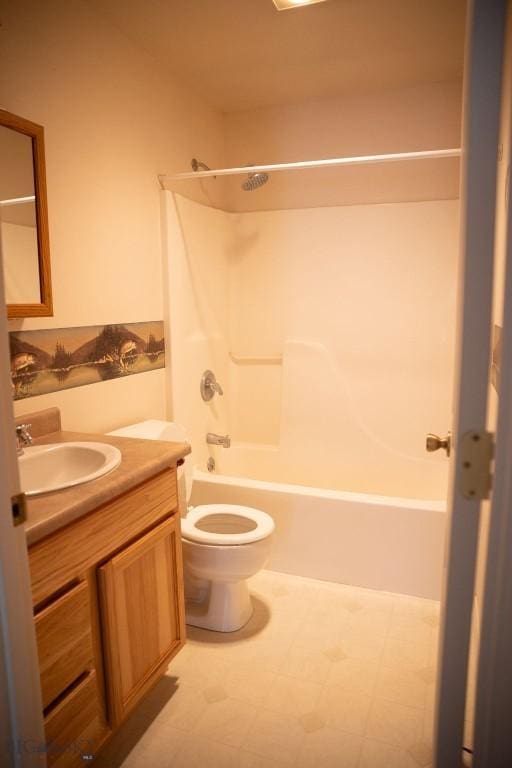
23 437
213 439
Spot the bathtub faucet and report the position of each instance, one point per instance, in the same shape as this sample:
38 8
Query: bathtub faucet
213 439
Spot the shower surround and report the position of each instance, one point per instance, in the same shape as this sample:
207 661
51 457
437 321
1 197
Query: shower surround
331 331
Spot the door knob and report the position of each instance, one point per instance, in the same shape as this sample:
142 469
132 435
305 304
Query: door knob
434 443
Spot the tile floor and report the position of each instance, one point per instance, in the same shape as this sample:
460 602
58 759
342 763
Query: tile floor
323 675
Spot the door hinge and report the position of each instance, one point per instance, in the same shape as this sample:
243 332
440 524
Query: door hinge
475 454
19 508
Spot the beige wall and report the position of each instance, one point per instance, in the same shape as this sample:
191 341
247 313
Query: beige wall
403 120
113 120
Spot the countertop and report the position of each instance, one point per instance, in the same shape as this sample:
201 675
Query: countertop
141 459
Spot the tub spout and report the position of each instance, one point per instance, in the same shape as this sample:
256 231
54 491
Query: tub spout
213 439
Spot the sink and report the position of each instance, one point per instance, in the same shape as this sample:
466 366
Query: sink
45 468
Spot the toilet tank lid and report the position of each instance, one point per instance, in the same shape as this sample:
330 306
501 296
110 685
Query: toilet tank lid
155 429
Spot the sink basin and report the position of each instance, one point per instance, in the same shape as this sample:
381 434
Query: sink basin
45 468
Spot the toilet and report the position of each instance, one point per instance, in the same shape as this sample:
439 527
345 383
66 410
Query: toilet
223 544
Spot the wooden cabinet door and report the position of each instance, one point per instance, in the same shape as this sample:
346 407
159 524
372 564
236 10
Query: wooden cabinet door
143 614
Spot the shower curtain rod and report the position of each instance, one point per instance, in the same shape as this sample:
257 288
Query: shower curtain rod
357 160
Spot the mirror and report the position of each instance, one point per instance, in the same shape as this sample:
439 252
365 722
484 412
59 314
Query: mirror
24 218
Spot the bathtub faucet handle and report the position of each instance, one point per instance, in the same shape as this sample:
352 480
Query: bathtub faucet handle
210 386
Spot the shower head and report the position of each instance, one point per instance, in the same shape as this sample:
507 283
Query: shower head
254 180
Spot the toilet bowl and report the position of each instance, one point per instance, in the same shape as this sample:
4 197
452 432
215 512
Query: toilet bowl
223 545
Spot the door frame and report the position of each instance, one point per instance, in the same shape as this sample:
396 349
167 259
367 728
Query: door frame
21 719
480 137
492 743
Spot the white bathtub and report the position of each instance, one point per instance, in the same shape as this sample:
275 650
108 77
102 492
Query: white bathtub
379 542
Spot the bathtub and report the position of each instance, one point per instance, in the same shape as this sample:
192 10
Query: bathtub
378 542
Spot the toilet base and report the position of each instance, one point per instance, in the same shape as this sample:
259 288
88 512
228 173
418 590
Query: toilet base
226 608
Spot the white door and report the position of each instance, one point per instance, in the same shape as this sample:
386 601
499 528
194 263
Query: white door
482 97
21 721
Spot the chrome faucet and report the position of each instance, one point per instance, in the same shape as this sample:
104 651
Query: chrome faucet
213 439
23 437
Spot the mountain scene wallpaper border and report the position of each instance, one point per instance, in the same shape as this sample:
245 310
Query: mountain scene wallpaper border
51 359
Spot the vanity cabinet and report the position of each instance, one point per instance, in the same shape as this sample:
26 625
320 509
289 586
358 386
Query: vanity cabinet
109 614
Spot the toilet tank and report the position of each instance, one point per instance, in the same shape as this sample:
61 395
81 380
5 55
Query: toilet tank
169 431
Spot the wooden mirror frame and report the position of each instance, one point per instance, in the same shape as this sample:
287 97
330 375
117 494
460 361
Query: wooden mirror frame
36 133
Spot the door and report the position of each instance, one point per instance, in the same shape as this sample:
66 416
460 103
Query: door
21 720
484 52
143 615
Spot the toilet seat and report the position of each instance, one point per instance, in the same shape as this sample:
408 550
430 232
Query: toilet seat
230 517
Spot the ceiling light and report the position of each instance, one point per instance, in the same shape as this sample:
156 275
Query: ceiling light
284 5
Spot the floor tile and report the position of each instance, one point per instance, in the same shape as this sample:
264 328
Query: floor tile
250 760
427 674
311 722
421 753
292 696
227 721
358 675
335 653
158 748
401 654
372 621
214 694
183 709
401 685
250 684
411 628
329 748
375 754
344 710
277 737
197 752
361 643
394 724
157 745
306 664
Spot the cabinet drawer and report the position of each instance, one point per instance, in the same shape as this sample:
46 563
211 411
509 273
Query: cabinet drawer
69 552
75 727
64 644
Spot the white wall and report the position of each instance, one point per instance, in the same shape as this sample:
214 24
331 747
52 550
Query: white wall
113 120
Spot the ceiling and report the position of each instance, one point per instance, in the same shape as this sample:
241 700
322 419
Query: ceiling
244 54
